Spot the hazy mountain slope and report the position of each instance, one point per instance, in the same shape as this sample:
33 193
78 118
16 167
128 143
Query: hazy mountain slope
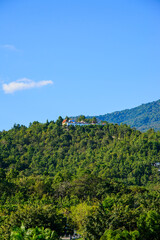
143 117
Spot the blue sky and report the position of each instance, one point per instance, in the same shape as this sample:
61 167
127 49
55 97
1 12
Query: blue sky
72 57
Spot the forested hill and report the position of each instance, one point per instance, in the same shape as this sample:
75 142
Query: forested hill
114 151
101 180
143 117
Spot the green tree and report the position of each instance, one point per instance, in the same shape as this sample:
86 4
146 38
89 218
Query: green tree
36 233
37 216
120 235
59 121
149 225
81 118
94 120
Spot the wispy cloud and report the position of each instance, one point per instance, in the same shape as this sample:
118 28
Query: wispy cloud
23 84
9 47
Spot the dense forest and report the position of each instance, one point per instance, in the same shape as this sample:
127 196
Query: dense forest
102 181
143 117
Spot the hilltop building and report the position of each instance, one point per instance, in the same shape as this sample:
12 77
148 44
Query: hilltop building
74 123
79 123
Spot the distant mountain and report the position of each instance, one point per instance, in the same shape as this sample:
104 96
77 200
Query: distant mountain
143 117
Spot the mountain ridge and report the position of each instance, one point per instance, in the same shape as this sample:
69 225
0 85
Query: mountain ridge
142 117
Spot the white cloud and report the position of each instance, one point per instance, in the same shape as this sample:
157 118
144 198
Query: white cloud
23 84
9 47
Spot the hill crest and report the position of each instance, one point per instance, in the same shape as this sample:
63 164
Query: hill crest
142 117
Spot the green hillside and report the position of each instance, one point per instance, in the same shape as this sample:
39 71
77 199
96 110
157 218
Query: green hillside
142 117
102 181
111 150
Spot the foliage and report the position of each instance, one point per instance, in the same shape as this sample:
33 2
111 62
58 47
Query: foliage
149 225
33 234
120 235
101 180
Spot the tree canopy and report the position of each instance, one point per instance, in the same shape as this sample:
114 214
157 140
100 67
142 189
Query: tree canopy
100 180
